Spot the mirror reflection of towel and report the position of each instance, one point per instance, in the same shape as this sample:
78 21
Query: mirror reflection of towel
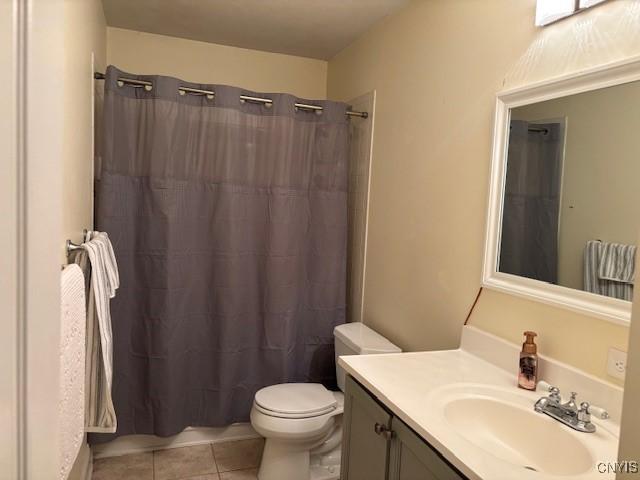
596 260
617 262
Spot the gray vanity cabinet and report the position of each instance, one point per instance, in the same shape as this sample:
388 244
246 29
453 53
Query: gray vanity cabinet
411 458
365 453
379 446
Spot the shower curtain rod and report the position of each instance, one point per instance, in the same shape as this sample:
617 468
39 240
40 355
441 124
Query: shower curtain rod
537 129
267 102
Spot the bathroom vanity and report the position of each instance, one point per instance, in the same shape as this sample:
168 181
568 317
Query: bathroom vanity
458 414
377 445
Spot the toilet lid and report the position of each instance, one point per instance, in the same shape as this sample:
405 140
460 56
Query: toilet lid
296 399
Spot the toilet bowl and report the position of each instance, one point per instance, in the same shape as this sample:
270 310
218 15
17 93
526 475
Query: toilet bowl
302 422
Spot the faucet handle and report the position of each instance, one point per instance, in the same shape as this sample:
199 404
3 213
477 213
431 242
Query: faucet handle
544 386
599 412
547 387
554 394
586 410
584 415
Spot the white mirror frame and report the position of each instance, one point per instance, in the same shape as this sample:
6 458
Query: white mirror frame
611 309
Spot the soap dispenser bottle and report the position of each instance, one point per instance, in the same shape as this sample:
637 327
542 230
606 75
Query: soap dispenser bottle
528 367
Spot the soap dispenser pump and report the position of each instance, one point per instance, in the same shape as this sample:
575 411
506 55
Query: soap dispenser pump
528 367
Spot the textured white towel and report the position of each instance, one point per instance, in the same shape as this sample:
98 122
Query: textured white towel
72 374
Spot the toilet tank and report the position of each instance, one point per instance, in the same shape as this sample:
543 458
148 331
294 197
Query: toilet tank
358 339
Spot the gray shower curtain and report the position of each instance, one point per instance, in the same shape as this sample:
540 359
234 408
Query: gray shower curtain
229 223
530 218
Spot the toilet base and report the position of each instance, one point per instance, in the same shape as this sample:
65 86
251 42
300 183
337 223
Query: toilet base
325 467
323 473
280 461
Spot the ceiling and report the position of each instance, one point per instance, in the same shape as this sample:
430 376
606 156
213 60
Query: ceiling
307 28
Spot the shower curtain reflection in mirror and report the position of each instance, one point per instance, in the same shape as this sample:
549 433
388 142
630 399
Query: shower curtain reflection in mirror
530 217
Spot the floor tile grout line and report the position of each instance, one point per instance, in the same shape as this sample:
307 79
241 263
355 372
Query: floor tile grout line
215 462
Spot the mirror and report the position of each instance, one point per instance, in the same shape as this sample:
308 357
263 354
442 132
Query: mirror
564 212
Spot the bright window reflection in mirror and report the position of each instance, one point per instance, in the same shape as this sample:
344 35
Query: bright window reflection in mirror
548 11
590 3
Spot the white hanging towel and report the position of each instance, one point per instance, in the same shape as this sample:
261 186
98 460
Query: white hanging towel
98 262
72 370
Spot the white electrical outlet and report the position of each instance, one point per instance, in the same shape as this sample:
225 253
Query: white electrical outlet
617 363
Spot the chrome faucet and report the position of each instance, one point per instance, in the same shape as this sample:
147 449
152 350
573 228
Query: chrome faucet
578 418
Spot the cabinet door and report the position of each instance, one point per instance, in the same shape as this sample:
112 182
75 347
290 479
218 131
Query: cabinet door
411 458
366 436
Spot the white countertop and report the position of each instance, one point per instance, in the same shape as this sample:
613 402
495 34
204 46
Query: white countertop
405 383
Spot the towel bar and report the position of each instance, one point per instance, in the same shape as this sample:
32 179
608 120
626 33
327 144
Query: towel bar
71 247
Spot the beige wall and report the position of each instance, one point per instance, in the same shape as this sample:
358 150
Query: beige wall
147 53
601 171
84 35
568 336
436 67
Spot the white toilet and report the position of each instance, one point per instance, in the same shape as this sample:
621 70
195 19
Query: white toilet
302 422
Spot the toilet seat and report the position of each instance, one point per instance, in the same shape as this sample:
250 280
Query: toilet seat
301 430
295 400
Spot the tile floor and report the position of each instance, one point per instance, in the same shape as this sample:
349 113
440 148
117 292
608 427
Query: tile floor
237 460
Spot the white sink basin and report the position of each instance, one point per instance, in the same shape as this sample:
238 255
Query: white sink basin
519 437
502 422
